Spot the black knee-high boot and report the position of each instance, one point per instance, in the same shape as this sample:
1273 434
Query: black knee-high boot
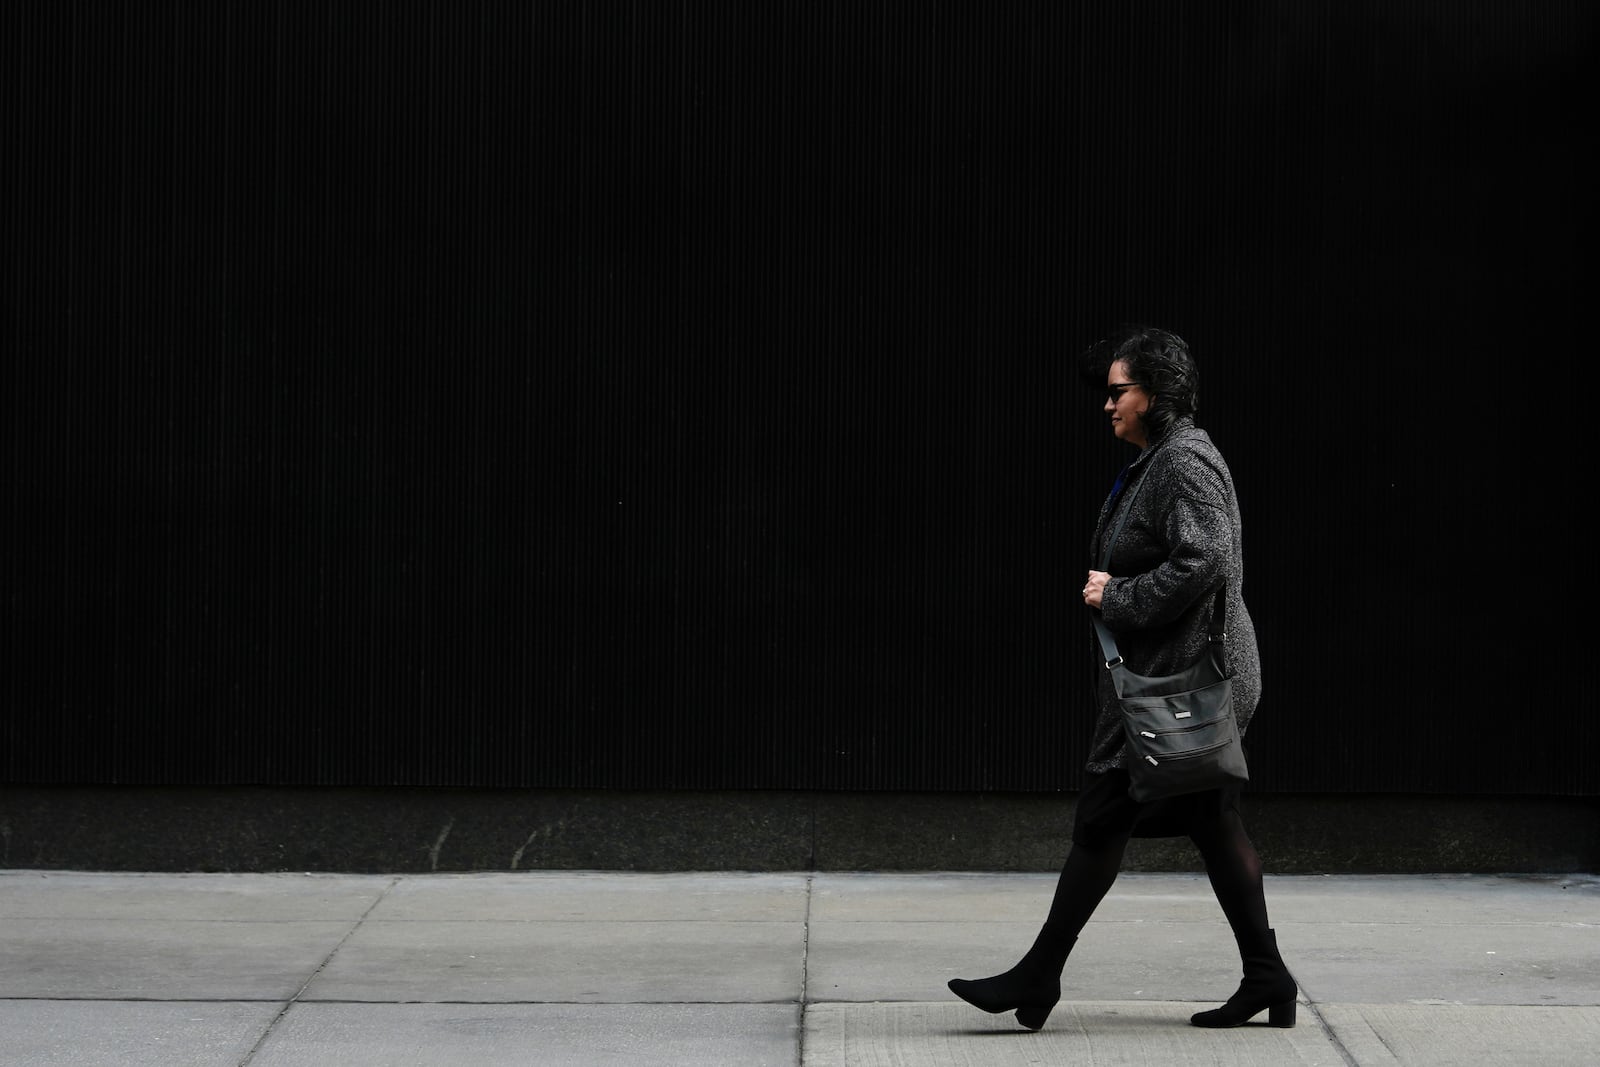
1031 988
1267 984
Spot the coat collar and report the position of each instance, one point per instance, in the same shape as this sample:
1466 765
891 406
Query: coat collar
1181 427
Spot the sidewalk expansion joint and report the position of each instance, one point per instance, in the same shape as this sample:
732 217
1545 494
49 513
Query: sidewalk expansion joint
1328 1032
805 962
334 951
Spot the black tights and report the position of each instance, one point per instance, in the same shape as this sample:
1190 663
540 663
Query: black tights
1235 873
1085 879
1231 863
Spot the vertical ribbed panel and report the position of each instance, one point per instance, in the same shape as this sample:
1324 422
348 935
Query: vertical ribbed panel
681 395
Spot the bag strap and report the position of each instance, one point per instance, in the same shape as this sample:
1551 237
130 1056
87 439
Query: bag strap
1219 626
1127 509
1108 643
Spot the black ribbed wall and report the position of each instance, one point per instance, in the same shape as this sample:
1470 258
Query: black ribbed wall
680 396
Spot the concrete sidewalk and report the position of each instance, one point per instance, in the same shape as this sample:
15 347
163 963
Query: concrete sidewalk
820 969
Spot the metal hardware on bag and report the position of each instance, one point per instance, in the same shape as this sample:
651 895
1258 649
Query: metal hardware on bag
1183 715
1147 733
1110 663
1223 636
1152 760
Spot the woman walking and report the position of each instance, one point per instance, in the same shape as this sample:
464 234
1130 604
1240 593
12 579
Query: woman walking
1179 541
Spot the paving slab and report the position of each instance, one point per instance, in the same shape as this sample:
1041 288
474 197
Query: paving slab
1137 897
560 896
1499 963
78 1033
189 897
1111 961
1494 964
584 962
1016 898
1469 939
551 1035
1433 899
1448 1035
141 959
1101 1034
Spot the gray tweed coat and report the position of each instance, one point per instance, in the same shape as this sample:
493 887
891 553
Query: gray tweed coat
1181 538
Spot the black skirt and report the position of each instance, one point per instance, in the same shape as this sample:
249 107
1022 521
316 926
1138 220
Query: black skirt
1106 813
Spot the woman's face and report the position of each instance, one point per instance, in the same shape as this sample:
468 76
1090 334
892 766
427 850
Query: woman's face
1126 403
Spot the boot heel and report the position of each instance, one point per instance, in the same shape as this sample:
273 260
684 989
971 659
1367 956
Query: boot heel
1032 1017
1281 1014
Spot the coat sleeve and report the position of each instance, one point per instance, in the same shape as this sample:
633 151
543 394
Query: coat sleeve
1197 533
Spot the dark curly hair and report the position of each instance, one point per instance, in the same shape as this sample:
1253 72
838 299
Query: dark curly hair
1159 361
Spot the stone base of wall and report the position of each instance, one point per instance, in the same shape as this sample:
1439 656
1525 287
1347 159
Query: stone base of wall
139 828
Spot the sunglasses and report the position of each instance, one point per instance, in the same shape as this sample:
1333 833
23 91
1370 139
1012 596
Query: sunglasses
1116 389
